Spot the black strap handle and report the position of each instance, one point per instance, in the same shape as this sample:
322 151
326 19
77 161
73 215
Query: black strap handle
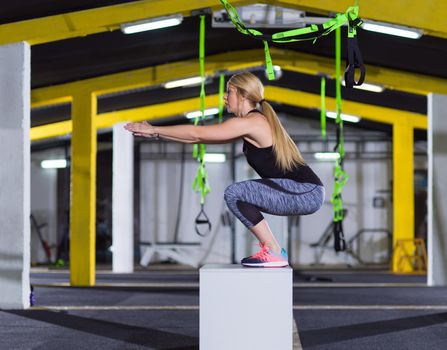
204 220
339 237
354 61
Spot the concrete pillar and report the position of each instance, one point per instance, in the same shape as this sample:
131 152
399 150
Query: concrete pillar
14 176
437 190
122 209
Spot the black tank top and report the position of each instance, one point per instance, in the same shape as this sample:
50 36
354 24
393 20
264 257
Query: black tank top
263 161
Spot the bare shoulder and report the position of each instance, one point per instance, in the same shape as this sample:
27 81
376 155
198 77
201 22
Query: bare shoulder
249 123
258 121
260 133
246 123
256 116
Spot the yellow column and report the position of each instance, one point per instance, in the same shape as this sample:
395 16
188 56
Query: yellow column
403 189
83 190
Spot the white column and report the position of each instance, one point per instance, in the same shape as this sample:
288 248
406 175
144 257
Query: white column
245 308
123 188
14 176
437 190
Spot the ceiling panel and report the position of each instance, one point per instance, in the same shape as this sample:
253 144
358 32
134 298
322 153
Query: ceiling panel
14 11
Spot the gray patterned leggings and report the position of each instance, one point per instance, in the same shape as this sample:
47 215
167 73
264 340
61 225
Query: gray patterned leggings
247 199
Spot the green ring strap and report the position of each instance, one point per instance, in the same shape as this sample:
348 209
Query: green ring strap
221 93
323 107
200 182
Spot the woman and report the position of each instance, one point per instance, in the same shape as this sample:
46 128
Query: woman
287 185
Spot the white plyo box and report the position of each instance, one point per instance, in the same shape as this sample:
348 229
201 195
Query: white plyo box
245 308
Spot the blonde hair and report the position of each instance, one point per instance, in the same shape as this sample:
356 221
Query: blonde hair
287 153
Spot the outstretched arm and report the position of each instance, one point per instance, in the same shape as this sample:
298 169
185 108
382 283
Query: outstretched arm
218 133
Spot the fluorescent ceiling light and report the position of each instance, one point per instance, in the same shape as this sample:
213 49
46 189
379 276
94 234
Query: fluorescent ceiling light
345 117
367 87
207 112
151 24
182 82
215 158
53 163
277 68
392 29
327 156
278 72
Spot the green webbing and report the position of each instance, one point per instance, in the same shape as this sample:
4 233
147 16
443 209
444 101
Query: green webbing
240 26
201 180
326 28
329 26
202 68
268 61
323 108
340 176
221 93
202 83
311 32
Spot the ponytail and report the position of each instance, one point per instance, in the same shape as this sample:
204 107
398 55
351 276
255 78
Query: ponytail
286 152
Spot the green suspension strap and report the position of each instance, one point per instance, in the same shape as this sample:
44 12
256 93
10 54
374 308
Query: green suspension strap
221 94
268 61
340 176
312 32
323 107
200 183
240 26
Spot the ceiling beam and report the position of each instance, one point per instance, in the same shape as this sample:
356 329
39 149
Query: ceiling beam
273 94
373 113
97 20
51 130
155 112
288 60
427 15
107 120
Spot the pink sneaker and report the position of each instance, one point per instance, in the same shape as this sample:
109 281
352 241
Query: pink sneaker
266 258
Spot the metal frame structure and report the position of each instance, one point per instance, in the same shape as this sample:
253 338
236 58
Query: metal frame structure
83 95
429 17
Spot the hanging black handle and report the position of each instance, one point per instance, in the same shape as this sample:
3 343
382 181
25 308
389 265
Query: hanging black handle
354 61
339 237
202 219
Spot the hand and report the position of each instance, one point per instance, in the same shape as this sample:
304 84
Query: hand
143 129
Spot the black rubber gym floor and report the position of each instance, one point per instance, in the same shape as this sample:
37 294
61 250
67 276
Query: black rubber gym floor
158 309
